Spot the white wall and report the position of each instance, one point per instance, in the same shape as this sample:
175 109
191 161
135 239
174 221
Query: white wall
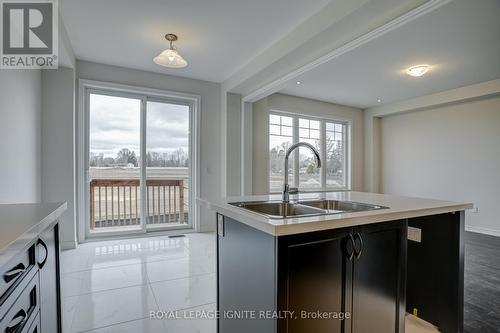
57 160
281 102
20 95
448 152
210 122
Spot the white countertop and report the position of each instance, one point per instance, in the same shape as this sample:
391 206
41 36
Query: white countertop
21 224
399 208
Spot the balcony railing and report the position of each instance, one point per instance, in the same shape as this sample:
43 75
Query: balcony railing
117 202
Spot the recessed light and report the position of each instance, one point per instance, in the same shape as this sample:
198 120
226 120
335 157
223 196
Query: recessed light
379 100
417 70
299 82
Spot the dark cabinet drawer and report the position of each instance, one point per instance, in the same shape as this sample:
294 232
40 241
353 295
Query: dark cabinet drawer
19 317
12 274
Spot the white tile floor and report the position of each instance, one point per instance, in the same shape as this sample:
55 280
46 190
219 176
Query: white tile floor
111 286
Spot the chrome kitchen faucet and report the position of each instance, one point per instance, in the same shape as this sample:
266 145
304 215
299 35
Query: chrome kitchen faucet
286 188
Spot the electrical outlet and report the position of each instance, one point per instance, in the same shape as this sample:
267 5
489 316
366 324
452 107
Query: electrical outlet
415 234
220 225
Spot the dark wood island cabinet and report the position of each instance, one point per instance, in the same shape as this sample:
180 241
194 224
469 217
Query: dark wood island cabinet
358 278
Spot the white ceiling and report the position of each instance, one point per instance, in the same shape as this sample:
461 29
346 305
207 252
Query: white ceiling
460 40
217 37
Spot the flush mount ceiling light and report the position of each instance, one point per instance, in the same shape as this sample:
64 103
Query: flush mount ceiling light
418 70
170 57
298 82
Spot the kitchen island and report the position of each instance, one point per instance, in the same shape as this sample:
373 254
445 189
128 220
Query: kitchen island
339 270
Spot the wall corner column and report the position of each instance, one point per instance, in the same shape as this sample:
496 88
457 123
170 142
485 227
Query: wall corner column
372 135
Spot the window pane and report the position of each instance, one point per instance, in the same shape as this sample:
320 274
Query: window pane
314 124
286 121
309 177
274 130
287 131
303 133
274 119
304 123
278 146
167 164
335 161
114 146
309 174
314 134
280 139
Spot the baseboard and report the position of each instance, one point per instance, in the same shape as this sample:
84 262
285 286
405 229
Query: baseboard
69 245
105 238
481 230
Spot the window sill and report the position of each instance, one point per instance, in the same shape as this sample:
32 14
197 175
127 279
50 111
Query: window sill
317 190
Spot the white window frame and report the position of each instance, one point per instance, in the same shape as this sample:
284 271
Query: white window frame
323 120
85 88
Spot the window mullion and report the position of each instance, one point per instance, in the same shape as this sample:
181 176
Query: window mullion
143 158
347 157
323 153
296 152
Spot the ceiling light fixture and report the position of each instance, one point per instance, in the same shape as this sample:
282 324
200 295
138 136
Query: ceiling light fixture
170 57
299 82
379 100
418 70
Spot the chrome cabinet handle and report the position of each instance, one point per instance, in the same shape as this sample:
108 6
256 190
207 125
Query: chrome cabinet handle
357 252
16 321
14 272
42 243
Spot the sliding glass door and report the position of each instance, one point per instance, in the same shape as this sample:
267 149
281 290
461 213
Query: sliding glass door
139 163
167 164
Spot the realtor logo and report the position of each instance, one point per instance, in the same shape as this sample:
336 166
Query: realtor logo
29 34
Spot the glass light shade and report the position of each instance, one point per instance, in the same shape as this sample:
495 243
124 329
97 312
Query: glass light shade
170 58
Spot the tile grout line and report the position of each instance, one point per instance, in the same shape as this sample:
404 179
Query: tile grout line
110 325
142 284
145 262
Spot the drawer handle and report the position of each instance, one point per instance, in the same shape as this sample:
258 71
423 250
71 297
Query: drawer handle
42 243
14 272
357 252
16 321
349 247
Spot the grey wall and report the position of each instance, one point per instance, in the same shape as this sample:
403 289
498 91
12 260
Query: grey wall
20 95
448 152
58 178
233 147
299 105
210 122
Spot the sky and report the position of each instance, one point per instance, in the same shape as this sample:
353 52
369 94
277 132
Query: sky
115 124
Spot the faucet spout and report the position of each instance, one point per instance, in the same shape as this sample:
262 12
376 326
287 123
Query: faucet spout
286 187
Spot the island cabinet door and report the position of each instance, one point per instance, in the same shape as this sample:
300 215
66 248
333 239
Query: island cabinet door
379 274
314 282
48 263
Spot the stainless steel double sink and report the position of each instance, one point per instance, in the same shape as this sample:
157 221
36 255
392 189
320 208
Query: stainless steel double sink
303 208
